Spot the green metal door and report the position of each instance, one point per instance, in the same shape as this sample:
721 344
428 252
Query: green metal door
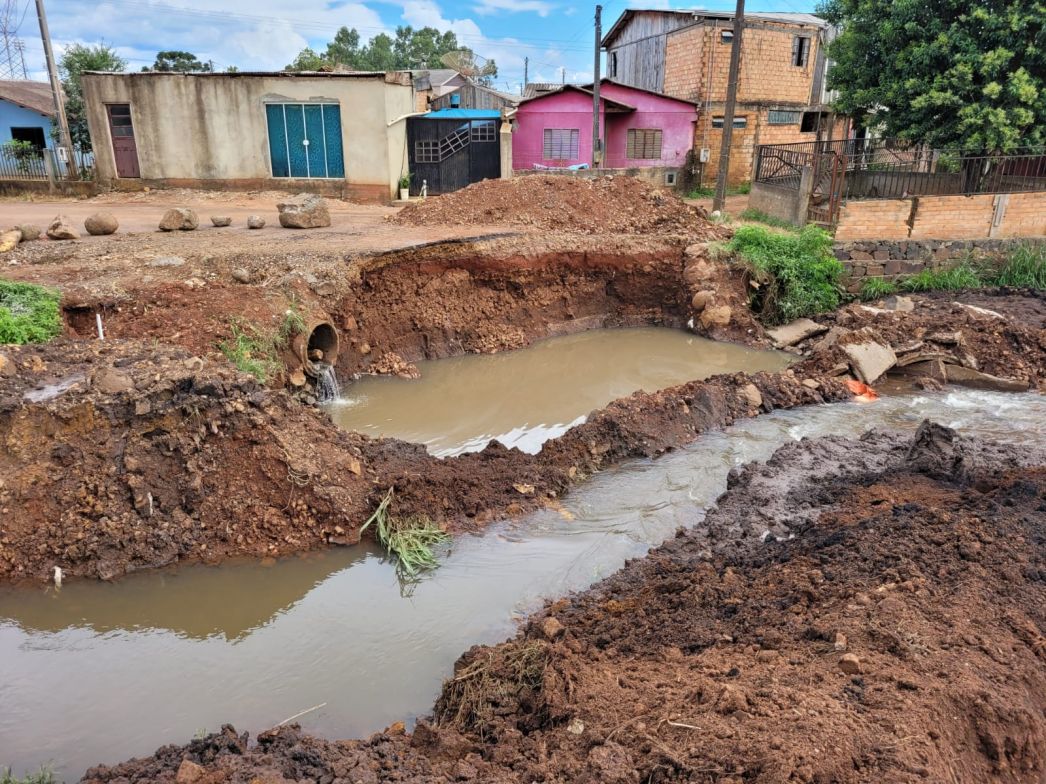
305 140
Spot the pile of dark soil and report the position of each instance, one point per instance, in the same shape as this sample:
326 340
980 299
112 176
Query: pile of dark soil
891 630
601 205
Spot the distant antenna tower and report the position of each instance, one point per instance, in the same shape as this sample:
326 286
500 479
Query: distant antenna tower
12 49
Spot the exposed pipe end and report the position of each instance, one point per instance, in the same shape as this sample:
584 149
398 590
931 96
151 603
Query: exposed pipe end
318 344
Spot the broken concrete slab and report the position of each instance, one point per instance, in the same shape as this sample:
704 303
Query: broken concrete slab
926 356
967 377
931 368
870 360
796 332
899 303
978 311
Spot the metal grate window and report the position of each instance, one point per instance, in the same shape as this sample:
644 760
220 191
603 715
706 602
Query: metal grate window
562 144
484 131
644 144
783 117
739 122
426 151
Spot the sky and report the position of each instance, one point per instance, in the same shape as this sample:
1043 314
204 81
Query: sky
556 35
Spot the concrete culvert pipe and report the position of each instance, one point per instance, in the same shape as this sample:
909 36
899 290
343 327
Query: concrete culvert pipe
317 344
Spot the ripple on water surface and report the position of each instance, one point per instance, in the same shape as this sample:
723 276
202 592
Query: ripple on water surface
103 672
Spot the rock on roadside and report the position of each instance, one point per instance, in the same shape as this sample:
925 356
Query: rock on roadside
255 222
9 240
101 223
221 221
304 211
30 231
179 219
62 228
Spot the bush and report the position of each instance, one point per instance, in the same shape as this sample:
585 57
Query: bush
43 776
28 313
877 288
1024 269
795 272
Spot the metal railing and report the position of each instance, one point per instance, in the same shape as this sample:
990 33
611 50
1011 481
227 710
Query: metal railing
34 166
891 168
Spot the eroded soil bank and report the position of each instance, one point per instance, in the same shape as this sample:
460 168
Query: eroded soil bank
888 628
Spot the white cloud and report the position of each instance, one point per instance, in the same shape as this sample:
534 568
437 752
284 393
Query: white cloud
490 7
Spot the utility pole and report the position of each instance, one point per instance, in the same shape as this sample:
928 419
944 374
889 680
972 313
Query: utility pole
526 76
597 152
64 138
563 75
719 202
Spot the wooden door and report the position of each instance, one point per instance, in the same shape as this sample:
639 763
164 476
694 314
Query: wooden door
124 149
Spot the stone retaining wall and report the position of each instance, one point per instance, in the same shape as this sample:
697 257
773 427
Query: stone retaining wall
893 258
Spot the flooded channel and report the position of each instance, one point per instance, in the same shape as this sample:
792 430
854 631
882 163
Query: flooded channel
102 672
523 398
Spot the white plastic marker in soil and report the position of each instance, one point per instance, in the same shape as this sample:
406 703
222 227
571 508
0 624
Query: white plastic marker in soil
104 672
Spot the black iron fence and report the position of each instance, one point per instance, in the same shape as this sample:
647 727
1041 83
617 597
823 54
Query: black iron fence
890 169
21 164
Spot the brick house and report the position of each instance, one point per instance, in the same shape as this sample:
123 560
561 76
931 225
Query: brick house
781 95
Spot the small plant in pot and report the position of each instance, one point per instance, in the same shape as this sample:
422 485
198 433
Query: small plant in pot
404 187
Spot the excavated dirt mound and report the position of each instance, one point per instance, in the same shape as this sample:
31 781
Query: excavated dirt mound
892 631
122 455
611 205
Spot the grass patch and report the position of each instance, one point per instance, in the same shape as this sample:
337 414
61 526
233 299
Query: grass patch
257 351
877 288
961 276
28 313
42 776
1024 269
758 216
410 539
795 273
708 191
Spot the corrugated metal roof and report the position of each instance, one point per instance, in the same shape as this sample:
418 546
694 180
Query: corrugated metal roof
765 16
35 96
237 74
462 114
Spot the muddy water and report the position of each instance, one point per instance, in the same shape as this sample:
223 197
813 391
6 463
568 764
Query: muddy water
105 672
523 398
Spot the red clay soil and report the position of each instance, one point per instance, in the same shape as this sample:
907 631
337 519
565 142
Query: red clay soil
600 205
894 634
125 455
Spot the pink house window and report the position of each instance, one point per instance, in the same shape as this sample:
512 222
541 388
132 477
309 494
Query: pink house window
561 144
643 144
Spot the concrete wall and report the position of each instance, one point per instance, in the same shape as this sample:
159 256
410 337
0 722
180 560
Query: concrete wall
990 216
15 116
782 203
195 128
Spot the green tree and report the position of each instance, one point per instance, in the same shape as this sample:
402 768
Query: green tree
345 48
950 73
178 62
75 60
409 49
308 60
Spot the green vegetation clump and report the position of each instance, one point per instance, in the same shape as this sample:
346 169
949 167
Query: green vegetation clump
42 776
961 276
795 272
877 288
708 191
410 539
758 216
28 313
257 351
1024 269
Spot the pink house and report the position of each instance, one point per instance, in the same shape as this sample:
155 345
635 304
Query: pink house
639 128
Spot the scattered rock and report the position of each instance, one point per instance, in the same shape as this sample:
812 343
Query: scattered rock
30 231
576 727
167 261
899 303
810 383
701 299
967 377
840 641
304 211
796 332
112 382
551 628
9 240
101 223
978 311
221 221
7 367
62 228
179 219
870 360
850 664
752 395
255 222
716 316
524 489
297 377
189 772
240 275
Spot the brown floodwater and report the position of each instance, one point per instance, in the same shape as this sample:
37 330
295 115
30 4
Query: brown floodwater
523 398
101 672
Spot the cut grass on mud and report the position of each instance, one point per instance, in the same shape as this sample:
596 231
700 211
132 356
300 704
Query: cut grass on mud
410 539
42 776
794 273
257 351
28 313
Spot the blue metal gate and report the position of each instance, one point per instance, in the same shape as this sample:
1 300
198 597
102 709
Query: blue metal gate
305 140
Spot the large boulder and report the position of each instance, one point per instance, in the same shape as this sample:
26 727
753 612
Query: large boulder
179 219
30 231
304 211
62 228
101 223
